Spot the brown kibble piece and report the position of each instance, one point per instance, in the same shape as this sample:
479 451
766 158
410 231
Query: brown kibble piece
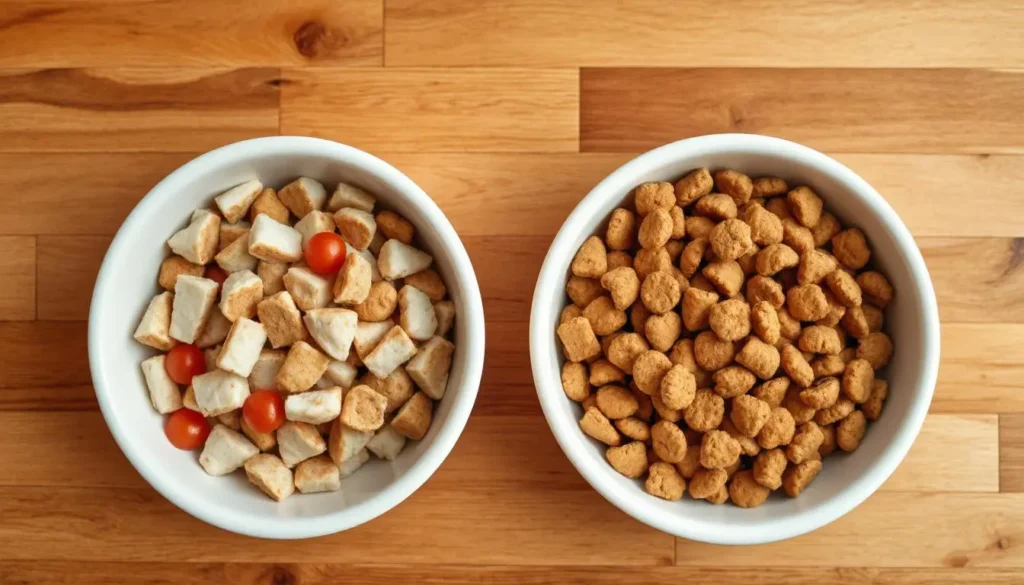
797 236
569 313
748 445
648 370
777 430
583 290
692 256
873 406
604 317
663 330
698 226
764 320
876 288
844 287
716 206
858 380
618 258
730 319
269 204
874 317
850 431
834 413
718 450
769 187
380 303
646 408
603 372
828 365
805 443
775 258
765 226
683 354
807 302
760 358
623 285
779 207
655 229
814 266
578 339
828 444
616 402
634 428
678 223
638 316
691 461
650 197
621 233
822 394
773 391
599 427
796 366
651 261
670 414
805 205
745 492
705 412
730 239
712 353
768 468
663 481
851 248
668 441
855 322
174 266
734 184
707 482
395 227
789 328
727 276
798 477
820 339
796 407
876 348
428 281
749 414
574 381
827 227
678 387
697 308
591 260
660 292
693 186
629 459
733 381
835 313
764 288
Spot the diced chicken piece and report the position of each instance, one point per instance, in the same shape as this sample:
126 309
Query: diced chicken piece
188 399
445 312
193 300
398 387
225 451
302 368
218 392
352 285
343 443
272 275
313 407
232 420
394 349
413 419
163 392
363 409
241 292
346 195
309 290
376 243
317 474
314 223
282 319
230 232
387 443
352 464
398 260
242 347
303 195
298 441
417 313
236 256
269 203
265 441
395 226
270 474
265 370
333 330
154 329
274 242
428 281
429 368
215 330
197 243
174 266
341 374
369 334
234 203
355 226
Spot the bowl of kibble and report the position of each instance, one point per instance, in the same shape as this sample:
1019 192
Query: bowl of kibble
286 337
734 339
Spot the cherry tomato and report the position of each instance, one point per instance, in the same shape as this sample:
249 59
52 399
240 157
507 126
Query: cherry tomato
184 361
264 410
325 253
187 429
216 274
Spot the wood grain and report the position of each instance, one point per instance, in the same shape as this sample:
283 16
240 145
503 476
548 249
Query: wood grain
976 279
1011 453
93 33
41 353
18 278
861 110
186 573
67 273
962 530
135 109
418 110
865 33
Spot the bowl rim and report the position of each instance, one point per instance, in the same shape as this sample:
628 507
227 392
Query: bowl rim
472 311
549 389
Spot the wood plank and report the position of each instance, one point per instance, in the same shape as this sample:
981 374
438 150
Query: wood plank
892 530
1011 453
495 452
531 193
134 109
186 573
50 398
976 279
17 278
804 33
537 528
67 272
94 33
981 370
859 110
418 110
44 353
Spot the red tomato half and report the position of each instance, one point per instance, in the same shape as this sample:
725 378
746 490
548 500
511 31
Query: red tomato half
264 411
184 361
325 253
216 274
187 429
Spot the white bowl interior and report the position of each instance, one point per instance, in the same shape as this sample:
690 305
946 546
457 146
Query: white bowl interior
128 280
911 320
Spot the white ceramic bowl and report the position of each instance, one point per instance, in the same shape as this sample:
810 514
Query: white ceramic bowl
127 280
912 320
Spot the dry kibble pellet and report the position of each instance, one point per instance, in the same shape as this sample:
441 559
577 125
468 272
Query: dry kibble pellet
822 394
634 428
574 381
705 483
616 402
745 492
623 286
730 319
605 318
749 414
603 372
850 431
772 391
876 348
777 430
592 259
597 425
760 358
768 468
705 411
733 381
660 292
805 443
665 482
668 441
857 380
629 459
678 387
798 477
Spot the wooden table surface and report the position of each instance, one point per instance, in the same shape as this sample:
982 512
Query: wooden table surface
507 112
